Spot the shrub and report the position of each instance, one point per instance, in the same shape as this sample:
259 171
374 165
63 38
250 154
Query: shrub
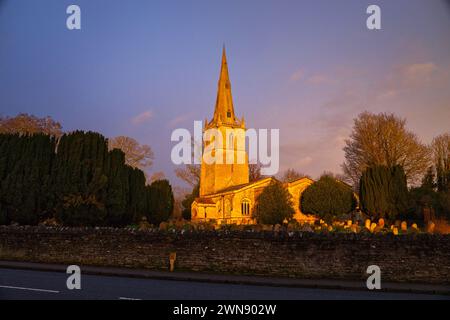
328 199
274 205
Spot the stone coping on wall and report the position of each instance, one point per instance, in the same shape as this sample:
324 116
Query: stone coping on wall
245 234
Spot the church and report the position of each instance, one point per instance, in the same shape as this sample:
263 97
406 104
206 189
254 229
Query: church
226 194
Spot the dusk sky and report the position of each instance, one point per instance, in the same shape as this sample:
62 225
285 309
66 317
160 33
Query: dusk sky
144 68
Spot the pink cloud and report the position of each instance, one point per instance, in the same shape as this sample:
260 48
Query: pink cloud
318 79
178 120
142 117
297 75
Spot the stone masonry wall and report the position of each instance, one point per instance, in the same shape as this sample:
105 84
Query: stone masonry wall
415 258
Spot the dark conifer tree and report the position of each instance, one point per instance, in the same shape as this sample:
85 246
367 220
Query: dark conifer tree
383 192
328 198
187 202
76 180
160 201
118 189
25 168
137 205
80 179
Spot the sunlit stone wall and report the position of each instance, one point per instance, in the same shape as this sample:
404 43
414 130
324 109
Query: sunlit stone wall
419 257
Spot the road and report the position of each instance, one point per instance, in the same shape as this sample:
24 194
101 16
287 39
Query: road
30 284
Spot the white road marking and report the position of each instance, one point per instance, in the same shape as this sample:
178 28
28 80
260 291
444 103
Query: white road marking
29 289
125 298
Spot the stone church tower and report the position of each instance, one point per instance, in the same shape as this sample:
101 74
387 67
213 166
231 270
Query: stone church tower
220 176
226 195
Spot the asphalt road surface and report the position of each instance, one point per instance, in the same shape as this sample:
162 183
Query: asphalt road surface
27 284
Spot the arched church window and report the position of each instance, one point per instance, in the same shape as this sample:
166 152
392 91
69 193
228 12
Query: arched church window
245 207
229 114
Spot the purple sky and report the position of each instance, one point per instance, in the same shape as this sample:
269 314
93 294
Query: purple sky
143 68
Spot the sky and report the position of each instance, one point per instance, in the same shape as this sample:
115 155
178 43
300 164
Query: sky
144 68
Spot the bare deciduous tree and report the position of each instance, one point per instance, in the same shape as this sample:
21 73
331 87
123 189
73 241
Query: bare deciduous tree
156 176
382 139
291 175
136 155
337 176
179 193
28 124
190 174
254 172
440 148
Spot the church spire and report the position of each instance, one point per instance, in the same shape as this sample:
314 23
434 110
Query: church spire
224 111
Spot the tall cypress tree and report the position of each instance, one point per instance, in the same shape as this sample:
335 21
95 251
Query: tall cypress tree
398 191
77 180
118 189
383 191
137 197
5 145
80 179
160 201
25 167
